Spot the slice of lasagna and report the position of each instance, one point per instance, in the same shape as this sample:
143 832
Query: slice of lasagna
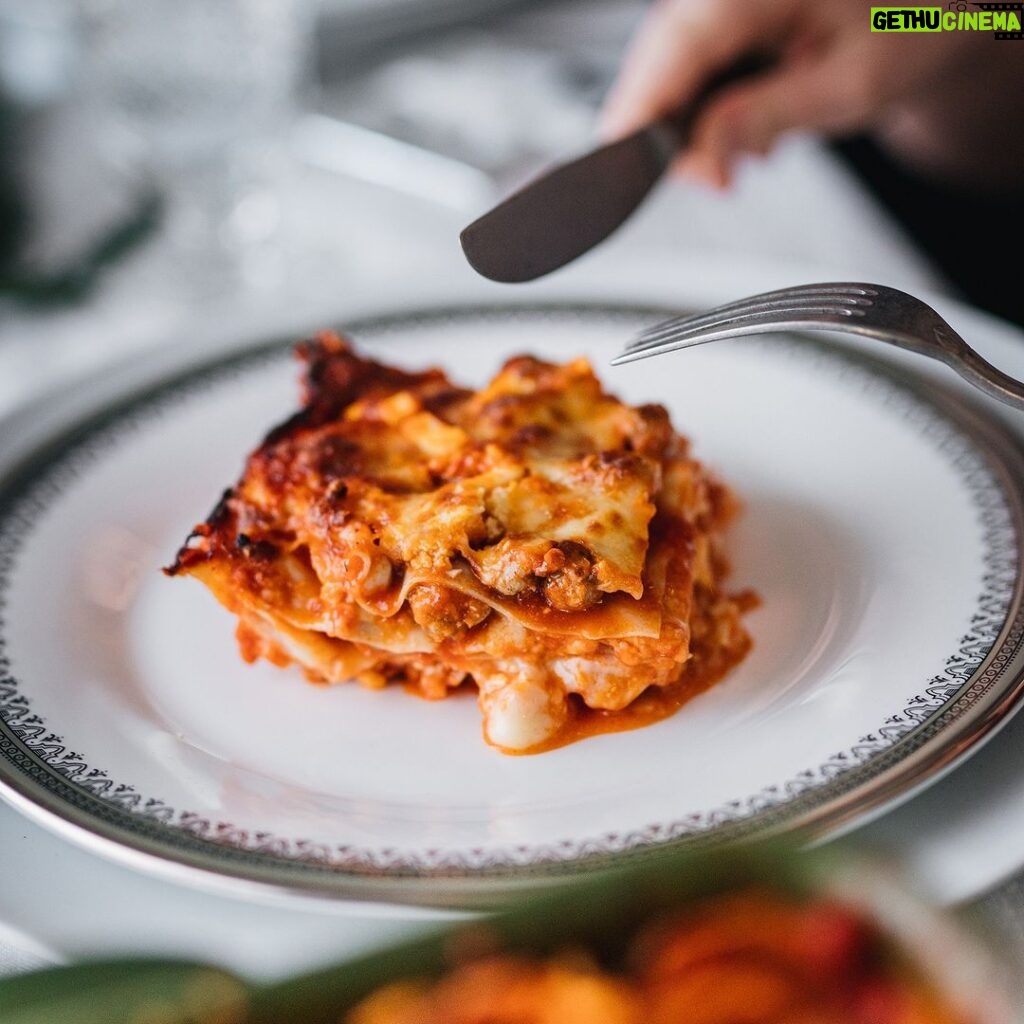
538 539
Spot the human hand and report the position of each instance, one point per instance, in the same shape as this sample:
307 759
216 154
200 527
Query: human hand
833 75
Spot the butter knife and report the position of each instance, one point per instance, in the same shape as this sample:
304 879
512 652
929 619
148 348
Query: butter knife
576 205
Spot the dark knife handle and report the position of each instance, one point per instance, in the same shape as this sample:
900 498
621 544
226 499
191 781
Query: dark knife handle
679 124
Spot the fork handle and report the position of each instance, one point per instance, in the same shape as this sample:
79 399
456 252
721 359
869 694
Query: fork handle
982 374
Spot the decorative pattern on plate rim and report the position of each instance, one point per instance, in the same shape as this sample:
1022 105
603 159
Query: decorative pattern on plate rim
34 750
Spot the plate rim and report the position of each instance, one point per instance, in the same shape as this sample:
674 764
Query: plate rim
482 885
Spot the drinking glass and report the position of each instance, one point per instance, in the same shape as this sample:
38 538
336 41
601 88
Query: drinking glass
196 96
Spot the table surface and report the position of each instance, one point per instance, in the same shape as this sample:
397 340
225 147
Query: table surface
798 210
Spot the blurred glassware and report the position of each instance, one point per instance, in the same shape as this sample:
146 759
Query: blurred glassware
351 31
196 96
503 109
504 96
51 246
366 155
37 50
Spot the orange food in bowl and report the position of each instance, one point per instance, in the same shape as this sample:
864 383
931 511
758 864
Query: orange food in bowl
752 957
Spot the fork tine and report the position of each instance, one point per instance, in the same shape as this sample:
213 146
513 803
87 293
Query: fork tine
682 327
796 291
854 294
806 316
633 355
725 328
780 293
750 306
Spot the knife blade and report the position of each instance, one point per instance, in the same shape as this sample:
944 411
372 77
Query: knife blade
576 205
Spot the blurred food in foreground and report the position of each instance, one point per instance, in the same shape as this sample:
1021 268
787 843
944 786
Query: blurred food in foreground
756 934
752 956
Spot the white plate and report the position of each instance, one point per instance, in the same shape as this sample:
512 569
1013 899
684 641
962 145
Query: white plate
882 530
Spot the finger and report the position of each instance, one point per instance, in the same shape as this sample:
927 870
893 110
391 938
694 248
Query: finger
819 94
679 44
701 168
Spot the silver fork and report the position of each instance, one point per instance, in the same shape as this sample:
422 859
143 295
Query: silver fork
873 310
